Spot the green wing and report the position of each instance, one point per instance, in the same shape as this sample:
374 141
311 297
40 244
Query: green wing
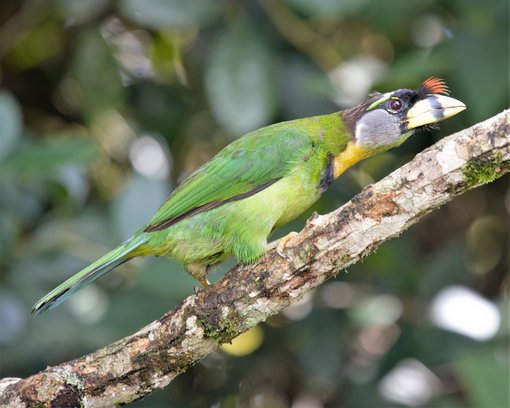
241 169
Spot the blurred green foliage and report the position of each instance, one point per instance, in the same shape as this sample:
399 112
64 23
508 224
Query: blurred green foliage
105 106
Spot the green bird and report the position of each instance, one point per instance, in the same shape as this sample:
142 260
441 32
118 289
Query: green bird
230 205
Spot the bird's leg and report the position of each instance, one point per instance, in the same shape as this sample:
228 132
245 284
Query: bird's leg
198 271
283 241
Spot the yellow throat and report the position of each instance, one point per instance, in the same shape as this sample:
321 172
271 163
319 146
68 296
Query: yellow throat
352 154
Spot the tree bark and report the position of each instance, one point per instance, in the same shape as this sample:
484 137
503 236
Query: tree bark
134 366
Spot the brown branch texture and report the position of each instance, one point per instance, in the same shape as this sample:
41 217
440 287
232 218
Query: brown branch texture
151 358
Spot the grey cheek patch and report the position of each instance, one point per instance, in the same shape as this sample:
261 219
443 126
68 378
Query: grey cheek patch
377 128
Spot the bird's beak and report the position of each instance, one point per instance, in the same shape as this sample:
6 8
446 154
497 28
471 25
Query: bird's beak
431 110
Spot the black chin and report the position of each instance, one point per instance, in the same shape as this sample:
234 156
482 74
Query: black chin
427 128
430 127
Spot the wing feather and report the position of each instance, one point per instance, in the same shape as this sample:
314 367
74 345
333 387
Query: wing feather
246 166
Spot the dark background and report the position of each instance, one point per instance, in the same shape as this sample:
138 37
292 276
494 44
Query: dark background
106 105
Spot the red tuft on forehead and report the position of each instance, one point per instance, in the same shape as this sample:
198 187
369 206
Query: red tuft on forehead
435 86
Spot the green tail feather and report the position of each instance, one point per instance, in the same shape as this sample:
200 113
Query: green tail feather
103 265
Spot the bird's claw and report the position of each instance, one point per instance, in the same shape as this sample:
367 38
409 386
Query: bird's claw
283 241
205 284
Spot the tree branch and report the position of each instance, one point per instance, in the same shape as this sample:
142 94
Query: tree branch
151 358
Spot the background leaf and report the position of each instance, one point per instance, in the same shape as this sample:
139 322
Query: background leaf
485 377
44 159
160 14
10 124
239 80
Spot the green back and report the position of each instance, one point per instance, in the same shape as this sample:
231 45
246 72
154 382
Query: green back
247 164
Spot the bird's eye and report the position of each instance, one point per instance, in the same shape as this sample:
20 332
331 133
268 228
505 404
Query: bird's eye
395 105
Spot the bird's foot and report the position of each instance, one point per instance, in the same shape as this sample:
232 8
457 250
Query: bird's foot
283 241
199 271
197 288
205 284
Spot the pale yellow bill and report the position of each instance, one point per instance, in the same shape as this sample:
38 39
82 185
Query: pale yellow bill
433 109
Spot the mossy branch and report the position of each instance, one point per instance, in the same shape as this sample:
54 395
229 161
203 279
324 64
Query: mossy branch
150 359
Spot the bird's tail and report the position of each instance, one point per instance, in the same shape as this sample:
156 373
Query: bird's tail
103 265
